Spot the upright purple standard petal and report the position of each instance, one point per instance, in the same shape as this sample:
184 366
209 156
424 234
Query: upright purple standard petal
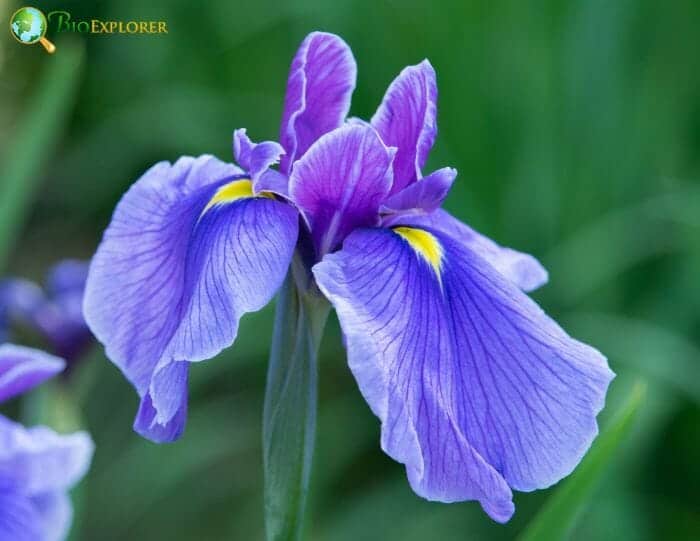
319 88
406 119
522 269
190 249
22 368
339 183
476 388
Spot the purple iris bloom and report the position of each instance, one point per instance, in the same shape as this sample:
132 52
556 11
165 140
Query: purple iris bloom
477 389
55 312
37 465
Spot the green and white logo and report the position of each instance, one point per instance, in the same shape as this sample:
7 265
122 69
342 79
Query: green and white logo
28 25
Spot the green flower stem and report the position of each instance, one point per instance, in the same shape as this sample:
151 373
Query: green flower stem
289 419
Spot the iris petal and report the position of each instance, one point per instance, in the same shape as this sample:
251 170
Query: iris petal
255 158
320 85
340 182
406 119
163 411
421 197
521 268
174 274
476 388
19 518
37 460
55 514
23 368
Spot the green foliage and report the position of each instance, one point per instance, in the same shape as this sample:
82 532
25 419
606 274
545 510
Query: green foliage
33 141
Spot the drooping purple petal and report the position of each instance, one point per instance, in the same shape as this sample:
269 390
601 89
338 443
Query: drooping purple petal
163 411
19 518
476 388
340 182
23 368
406 119
521 268
255 158
421 197
37 460
320 85
185 256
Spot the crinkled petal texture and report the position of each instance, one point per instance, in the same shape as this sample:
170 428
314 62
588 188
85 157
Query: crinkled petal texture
340 182
320 84
189 250
37 468
521 268
478 391
406 119
38 461
22 368
255 158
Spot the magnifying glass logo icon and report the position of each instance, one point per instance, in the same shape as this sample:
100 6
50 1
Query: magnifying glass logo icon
28 25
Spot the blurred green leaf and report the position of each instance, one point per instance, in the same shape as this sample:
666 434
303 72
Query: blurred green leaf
618 241
146 473
559 514
35 136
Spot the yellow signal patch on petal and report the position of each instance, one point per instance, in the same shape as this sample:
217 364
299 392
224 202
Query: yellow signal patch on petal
233 191
424 244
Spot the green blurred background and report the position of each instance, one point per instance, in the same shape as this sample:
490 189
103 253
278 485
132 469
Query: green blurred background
575 127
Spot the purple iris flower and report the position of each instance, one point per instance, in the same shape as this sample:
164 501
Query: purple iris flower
55 312
477 389
37 465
